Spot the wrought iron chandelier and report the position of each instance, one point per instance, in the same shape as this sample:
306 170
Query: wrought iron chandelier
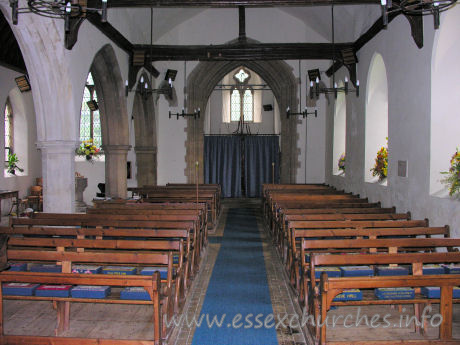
416 8
314 75
60 9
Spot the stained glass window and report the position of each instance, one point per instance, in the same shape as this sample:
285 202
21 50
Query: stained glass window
242 98
235 105
248 105
90 121
8 129
241 76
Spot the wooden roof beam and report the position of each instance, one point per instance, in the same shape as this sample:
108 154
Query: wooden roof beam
244 52
235 3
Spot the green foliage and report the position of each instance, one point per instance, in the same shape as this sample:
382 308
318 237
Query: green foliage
341 163
11 165
453 175
380 168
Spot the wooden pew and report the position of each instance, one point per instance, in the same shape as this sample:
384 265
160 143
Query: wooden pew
159 241
138 206
160 194
331 287
311 247
202 186
132 216
282 234
294 241
144 211
65 251
120 224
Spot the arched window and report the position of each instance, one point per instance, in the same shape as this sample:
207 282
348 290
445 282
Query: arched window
376 115
90 121
242 98
9 130
445 100
340 119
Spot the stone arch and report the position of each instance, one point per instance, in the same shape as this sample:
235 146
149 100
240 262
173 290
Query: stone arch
56 121
114 119
202 80
376 112
445 102
145 136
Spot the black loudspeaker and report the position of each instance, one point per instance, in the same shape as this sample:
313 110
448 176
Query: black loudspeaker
268 107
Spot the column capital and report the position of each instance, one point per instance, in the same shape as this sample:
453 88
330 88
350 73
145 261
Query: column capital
58 146
115 149
145 149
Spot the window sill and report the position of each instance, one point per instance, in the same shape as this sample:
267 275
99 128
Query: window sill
375 180
81 159
8 175
444 194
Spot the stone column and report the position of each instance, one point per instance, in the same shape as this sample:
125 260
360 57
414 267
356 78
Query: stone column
115 170
58 170
146 162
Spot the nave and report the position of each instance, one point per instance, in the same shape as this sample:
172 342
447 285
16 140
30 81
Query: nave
247 269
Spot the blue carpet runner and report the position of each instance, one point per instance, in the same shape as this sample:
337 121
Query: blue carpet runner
238 286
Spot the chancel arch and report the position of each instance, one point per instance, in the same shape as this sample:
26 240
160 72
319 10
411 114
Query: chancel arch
114 119
201 82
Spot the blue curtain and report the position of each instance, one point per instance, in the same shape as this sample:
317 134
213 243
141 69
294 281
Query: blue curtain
259 154
222 163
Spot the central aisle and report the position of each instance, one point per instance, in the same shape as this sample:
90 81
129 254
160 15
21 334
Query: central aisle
238 296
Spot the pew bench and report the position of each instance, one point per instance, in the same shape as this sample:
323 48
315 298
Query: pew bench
292 263
96 252
329 288
108 223
159 241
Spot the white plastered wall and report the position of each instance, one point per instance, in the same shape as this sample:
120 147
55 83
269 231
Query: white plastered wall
217 26
24 139
409 122
445 99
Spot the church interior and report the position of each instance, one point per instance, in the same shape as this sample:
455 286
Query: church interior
230 172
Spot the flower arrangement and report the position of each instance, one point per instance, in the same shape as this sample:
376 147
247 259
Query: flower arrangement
380 168
341 162
11 164
88 149
453 175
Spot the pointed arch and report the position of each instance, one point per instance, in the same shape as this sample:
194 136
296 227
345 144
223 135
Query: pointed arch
114 119
376 112
279 77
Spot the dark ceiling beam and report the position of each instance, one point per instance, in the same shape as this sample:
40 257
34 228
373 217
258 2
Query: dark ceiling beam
242 23
12 67
234 3
373 31
363 39
10 52
244 52
113 34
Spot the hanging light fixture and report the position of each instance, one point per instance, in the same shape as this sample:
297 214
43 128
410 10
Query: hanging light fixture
315 77
63 9
304 113
143 86
416 8
196 113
